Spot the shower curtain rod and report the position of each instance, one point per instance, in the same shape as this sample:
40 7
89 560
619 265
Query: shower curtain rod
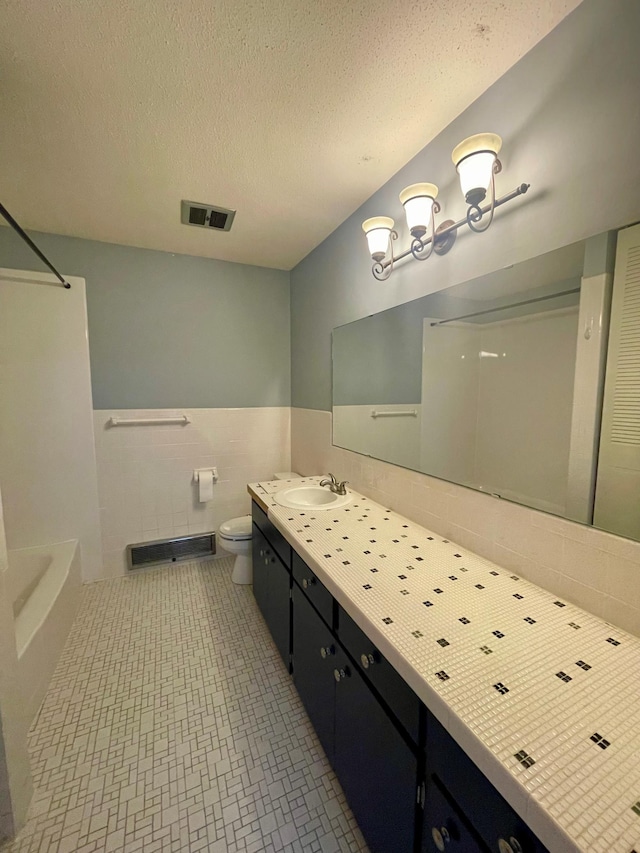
22 233
507 307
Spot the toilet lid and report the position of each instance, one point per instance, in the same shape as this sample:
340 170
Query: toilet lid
236 528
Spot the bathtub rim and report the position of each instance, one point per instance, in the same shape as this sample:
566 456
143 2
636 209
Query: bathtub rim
38 606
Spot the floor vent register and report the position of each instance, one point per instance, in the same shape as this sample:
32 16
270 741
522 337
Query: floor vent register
146 554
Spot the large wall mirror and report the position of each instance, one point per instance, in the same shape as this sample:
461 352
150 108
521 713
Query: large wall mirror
524 383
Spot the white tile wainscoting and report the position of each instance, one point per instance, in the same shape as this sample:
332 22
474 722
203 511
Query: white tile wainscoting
596 570
355 426
145 473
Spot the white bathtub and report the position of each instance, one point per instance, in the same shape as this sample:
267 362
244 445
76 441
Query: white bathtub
44 583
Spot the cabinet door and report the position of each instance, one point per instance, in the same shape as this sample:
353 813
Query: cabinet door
260 571
376 768
271 589
313 665
442 828
279 620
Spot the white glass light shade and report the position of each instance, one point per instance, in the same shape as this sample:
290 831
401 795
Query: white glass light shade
417 201
378 231
474 158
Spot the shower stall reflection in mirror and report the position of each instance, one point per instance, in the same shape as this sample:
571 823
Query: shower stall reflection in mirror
500 392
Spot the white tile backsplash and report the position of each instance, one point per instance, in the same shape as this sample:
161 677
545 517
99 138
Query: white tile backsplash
145 473
596 570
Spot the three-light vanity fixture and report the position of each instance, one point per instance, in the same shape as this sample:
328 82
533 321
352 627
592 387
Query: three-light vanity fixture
477 164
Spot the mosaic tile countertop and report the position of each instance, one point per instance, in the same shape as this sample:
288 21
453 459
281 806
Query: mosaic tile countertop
543 696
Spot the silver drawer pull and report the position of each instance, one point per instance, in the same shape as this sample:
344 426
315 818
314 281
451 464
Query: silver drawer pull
307 582
367 660
339 674
510 846
327 651
440 837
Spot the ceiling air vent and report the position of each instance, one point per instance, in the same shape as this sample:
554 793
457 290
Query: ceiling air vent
206 215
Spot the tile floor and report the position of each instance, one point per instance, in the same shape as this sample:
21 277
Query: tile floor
171 724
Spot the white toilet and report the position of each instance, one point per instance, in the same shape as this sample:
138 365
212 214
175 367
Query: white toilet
234 536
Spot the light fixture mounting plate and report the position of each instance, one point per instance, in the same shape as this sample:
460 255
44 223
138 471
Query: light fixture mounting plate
443 243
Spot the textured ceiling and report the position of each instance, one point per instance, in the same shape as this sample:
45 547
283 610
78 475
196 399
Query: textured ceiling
293 112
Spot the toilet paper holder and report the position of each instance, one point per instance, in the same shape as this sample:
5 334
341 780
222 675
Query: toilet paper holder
198 471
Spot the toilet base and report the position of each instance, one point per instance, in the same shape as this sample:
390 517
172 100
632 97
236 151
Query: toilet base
242 569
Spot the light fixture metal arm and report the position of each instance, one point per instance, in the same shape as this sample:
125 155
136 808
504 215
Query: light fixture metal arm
418 245
475 213
382 269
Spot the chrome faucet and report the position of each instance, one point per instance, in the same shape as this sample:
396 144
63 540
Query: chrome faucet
330 481
334 485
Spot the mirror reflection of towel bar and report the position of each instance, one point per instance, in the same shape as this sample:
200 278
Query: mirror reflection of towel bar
409 413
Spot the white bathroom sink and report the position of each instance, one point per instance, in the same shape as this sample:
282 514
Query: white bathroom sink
310 497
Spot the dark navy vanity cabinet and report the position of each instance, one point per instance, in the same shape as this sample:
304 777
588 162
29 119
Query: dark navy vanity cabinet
443 826
410 786
313 665
473 801
314 590
392 690
376 767
272 580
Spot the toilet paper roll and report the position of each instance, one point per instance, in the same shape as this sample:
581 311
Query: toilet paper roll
205 486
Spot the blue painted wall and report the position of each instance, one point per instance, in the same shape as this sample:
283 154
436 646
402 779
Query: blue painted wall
173 330
569 115
378 360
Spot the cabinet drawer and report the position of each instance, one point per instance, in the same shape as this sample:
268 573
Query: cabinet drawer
272 534
315 591
486 810
393 689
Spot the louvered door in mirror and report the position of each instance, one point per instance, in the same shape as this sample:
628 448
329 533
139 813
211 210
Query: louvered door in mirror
617 506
